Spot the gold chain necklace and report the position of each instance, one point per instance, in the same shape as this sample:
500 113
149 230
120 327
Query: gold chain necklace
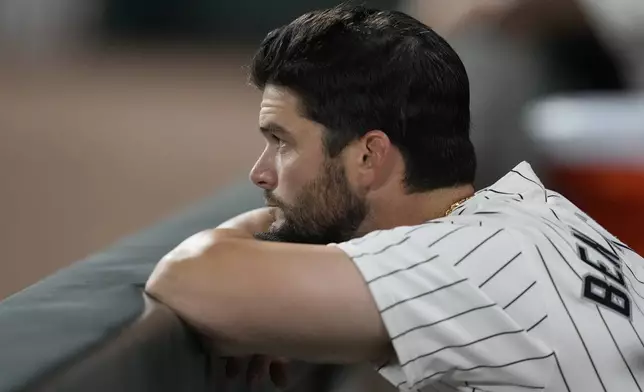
456 205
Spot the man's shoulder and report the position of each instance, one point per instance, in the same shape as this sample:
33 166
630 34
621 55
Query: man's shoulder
445 237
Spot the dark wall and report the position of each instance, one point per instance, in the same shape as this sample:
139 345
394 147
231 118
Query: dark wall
208 20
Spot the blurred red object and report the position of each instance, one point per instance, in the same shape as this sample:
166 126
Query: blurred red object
593 146
613 196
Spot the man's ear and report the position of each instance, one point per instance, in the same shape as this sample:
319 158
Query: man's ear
376 146
372 157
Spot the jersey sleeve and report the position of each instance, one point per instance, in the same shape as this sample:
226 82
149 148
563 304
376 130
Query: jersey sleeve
440 289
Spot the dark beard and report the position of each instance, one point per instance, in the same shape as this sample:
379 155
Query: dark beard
326 211
291 236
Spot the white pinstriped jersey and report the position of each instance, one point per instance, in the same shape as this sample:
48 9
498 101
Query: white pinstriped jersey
516 290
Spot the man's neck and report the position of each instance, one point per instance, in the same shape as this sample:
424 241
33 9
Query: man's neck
413 209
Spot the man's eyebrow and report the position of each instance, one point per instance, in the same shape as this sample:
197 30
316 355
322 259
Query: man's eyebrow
273 128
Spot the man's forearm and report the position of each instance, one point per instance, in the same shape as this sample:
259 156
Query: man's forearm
173 283
257 297
251 222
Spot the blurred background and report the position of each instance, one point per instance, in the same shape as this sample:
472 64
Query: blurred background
116 113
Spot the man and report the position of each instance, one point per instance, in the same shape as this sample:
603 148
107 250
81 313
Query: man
368 167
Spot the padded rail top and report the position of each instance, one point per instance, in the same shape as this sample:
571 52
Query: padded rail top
90 327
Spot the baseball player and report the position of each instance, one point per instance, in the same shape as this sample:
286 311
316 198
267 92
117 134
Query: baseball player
374 246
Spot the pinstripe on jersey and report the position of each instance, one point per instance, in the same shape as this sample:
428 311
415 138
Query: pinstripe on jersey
516 290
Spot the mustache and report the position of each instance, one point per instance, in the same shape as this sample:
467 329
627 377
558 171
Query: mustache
273 201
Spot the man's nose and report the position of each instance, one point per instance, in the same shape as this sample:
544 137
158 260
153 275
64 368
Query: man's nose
263 174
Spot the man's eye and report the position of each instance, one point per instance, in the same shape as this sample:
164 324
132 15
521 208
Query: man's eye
277 141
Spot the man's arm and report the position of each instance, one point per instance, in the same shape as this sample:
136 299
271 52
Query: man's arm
298 301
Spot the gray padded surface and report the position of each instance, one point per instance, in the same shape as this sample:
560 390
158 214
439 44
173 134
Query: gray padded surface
60 333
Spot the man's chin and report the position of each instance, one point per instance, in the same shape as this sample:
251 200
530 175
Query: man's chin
285 233
278 231
268 236
280 236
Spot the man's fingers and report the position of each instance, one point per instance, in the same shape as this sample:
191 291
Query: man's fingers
233 367
279 372
257 368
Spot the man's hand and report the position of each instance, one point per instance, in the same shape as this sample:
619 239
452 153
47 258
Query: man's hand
257 368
